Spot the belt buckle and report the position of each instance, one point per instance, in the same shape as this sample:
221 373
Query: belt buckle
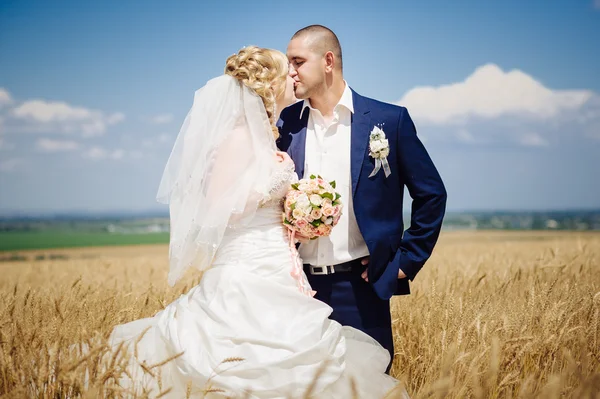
324 270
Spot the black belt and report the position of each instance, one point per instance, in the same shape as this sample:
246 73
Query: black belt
331 269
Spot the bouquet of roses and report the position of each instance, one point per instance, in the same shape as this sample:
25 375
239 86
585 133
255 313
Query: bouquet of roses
312 207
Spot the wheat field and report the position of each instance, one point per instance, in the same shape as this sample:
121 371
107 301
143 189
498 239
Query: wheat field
492 315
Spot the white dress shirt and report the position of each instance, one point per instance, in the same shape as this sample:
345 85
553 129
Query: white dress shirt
328 155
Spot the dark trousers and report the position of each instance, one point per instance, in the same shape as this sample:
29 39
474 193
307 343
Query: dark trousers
355 303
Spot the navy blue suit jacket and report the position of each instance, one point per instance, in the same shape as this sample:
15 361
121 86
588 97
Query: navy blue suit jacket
378 200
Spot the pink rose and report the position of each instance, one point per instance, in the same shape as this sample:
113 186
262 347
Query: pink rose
316 214
337 210
323 230
308 231
301 224
328 210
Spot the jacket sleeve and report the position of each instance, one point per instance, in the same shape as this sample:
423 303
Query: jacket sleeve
427 212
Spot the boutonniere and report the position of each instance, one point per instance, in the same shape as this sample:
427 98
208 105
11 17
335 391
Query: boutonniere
379 149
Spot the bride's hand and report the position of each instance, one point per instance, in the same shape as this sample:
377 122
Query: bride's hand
301 239
282 157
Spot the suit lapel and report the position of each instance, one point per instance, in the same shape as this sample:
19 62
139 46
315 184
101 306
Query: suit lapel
298 145
359 139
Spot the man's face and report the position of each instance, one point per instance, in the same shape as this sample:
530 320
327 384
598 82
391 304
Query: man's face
307 67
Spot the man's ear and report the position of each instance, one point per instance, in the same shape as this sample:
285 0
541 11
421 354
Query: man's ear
329 61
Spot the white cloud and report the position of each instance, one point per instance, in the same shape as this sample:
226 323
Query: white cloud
95 153
99 153
490 93
10 165
161 119
49 145
5 98
115 118
154 141
492 106
163 138
532 140
465 136
118 154
42 111
56 116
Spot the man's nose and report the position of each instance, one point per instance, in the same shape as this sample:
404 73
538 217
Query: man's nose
291 70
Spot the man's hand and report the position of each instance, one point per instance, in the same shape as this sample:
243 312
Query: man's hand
365 261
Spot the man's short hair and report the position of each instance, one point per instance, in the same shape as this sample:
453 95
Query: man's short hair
325 40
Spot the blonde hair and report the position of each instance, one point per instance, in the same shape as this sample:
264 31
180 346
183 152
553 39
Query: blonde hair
264 71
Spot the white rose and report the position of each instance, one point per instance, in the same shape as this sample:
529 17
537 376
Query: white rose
376 135
302 201
316 199
379 131
298 213
376 145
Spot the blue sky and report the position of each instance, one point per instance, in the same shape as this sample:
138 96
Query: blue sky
506 96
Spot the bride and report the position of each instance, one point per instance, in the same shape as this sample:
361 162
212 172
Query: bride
248 329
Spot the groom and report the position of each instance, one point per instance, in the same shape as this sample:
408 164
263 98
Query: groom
367 258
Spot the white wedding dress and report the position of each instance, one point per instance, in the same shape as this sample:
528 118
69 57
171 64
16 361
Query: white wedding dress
248 311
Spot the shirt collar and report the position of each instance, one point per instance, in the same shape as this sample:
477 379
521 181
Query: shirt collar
345 101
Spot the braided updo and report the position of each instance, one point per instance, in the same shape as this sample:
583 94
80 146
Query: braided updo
262 70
